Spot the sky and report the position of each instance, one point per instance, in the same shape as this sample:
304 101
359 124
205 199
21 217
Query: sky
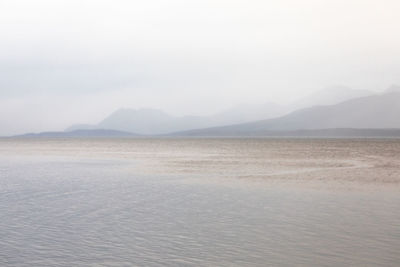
76 61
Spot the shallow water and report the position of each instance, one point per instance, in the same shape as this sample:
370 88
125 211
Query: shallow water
199 202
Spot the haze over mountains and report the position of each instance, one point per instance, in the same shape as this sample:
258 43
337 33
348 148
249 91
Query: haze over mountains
330 96
338 108
371 112
93 133
153 121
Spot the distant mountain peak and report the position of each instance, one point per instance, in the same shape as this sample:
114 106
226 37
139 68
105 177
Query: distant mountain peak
370 112
150 121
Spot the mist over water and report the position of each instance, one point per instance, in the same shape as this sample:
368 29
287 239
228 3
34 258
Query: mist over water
75 62
199 202
103 105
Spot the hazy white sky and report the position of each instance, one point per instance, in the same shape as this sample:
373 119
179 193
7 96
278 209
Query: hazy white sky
70 61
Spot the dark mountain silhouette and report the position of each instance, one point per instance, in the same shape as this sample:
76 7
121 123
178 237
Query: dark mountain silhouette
316 133
80 133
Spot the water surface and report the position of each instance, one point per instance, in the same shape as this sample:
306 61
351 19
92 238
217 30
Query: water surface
199 202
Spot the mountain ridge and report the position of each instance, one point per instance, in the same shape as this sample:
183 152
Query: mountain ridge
95 133
370 112
150 121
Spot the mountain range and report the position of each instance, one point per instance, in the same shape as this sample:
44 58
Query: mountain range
330 96
337 111
148 121
92 133
155 122
371 112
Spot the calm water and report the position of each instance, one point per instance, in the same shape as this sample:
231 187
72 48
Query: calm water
206 202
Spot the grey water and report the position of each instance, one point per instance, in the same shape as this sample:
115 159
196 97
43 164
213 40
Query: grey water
147 202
